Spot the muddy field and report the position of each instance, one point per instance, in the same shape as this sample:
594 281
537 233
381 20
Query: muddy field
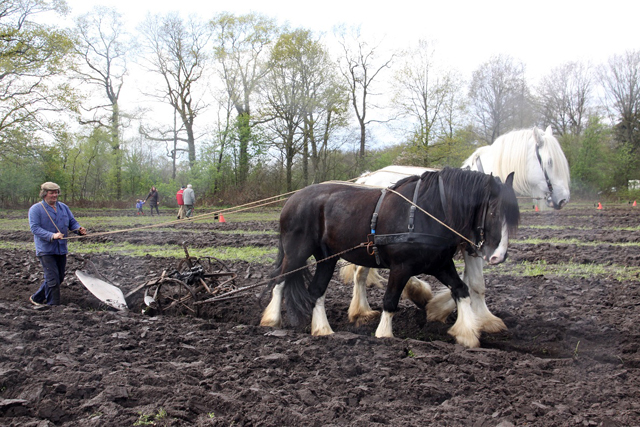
570 357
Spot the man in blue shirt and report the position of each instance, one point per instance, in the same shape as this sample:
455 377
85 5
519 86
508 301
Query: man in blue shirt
50 222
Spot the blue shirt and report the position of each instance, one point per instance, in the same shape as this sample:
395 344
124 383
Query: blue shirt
43 228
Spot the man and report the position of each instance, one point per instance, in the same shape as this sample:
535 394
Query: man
180 200
189 198
50 222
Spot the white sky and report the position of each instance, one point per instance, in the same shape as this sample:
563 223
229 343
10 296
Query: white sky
542 34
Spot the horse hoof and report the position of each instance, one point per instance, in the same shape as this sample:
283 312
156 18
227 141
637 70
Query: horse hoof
467 339
270 323
493 326
366 318
322 332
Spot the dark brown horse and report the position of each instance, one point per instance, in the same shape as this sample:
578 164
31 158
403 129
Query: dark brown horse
326 219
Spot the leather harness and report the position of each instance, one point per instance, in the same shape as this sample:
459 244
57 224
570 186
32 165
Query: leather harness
374 240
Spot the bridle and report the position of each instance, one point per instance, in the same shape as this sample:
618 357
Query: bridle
544 171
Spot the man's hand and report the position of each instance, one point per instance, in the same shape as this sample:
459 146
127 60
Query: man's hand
82 231
57 236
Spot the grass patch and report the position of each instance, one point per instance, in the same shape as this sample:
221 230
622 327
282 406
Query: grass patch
264 255
563 227
621 273
576 242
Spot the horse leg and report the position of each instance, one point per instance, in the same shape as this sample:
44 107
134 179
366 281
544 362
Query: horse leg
317 289
397 281
359 310
466 330
272 315
474 278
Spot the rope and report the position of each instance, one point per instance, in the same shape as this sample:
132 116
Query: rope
226 295
236 209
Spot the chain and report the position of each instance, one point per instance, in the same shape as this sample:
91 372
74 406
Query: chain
264 282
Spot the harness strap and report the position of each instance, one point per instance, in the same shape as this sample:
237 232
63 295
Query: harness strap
374 218
47 212
412 209
544 171
390 239
374 222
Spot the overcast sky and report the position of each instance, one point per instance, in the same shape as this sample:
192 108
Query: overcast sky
542 34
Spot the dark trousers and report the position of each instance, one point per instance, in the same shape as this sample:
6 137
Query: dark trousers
154 205
54 267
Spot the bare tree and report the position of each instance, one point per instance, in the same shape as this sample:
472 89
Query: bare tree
620 78
241 48
103 44
360 67
179 56
564 97
498 93
425 94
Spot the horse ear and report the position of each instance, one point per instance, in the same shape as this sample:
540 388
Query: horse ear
549 131
538 137
509 180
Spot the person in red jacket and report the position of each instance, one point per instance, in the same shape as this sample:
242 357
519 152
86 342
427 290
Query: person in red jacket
180 203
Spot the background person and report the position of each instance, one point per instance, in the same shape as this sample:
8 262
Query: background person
152 197
180 201
189 198
139 204
50 222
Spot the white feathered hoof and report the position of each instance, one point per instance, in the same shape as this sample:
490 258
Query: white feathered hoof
272 315
270 322
365 318
492 324
384 328
466 330
440 307
321 331
464 337
417 291
319 322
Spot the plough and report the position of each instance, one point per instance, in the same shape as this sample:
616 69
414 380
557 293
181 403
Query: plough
178 291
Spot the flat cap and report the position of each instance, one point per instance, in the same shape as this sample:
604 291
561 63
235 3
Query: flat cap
50 186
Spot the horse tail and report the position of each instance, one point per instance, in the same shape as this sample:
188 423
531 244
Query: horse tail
277 265
298 300
299 303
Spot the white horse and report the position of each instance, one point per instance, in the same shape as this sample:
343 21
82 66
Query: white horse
541 171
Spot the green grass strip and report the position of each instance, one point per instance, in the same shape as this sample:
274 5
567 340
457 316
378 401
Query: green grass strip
576 242
621 273
264 255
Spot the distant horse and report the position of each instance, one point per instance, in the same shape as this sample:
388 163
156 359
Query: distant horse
327 220
541 171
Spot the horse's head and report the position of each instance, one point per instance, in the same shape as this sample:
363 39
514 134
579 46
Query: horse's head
498 218
548 170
